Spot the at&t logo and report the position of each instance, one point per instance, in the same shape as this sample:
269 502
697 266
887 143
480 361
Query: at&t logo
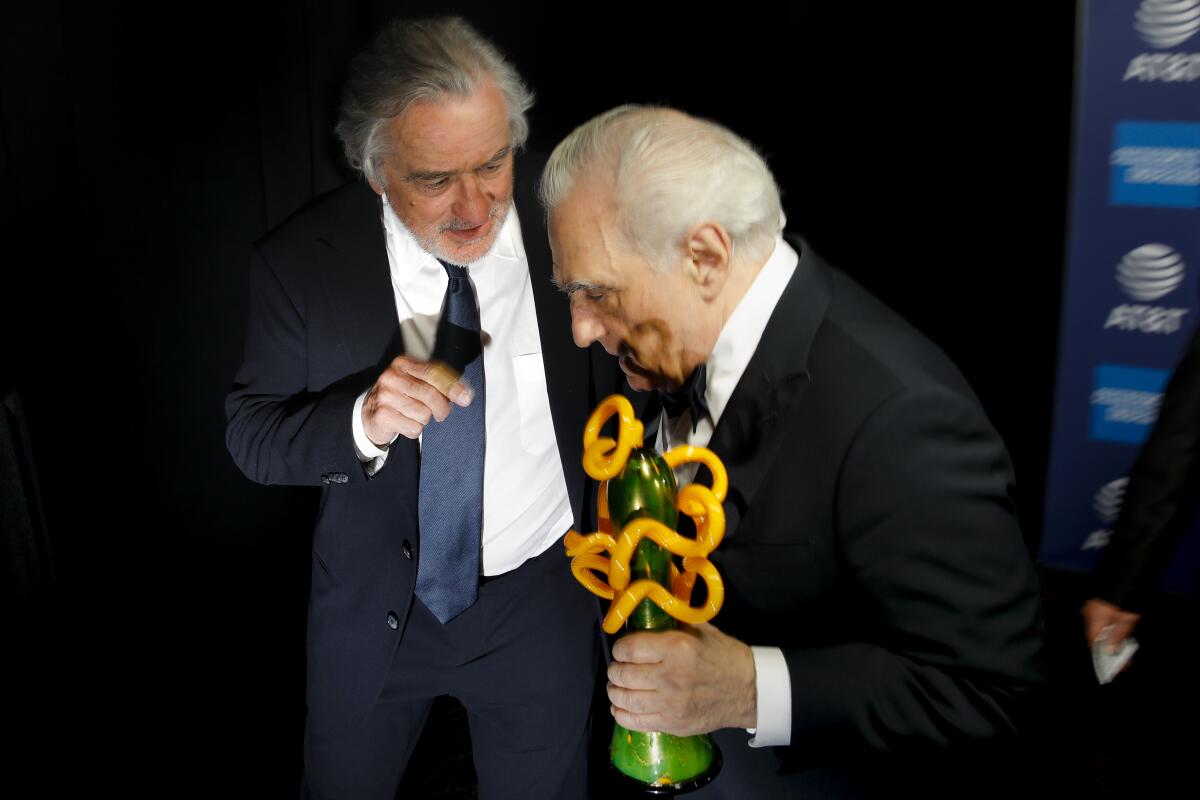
1148 273
1165 24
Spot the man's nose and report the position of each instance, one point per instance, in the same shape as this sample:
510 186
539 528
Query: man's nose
585 327
473 200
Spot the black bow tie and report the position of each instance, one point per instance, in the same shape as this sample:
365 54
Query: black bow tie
689 397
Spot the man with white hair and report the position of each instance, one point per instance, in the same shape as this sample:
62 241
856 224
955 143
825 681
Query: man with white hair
402 354
881 620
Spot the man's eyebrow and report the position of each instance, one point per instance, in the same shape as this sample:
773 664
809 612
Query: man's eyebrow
440 174
427 176
499 154
575 286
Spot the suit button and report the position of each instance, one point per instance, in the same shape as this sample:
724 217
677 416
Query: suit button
406 548
325 479
393 620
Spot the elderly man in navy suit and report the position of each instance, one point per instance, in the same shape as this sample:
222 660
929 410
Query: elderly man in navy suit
404 353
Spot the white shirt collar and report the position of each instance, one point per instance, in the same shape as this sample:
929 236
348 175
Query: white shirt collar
411 259
743 330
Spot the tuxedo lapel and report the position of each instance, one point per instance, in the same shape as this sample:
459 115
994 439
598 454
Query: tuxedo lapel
773 382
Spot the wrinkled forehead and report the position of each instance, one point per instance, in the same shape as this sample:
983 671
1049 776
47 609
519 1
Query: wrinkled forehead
451 132
582 237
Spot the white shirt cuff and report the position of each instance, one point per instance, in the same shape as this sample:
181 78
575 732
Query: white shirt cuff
773 686
372 456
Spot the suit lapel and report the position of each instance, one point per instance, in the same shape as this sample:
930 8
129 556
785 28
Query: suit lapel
359 280
567 374
358 267
774 380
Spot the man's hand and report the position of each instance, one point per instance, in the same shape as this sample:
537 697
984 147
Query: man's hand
1098 615
407 395
683 682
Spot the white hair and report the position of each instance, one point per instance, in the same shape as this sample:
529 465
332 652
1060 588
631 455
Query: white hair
668 172
414 60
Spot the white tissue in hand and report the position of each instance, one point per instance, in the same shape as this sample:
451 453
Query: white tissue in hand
1108 664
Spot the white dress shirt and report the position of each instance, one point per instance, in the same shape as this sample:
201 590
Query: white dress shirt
526 507
731 354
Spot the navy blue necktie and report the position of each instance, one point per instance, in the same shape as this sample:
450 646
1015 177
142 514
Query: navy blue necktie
451 489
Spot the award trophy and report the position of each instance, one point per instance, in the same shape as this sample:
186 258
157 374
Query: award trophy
638 506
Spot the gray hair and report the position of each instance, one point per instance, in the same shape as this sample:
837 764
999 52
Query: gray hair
414 60
669 171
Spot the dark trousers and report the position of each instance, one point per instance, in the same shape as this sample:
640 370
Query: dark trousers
522 660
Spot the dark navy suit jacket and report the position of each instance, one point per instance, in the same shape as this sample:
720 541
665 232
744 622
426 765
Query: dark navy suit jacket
322 327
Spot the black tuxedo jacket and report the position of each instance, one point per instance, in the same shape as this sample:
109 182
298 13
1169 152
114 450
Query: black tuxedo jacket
322 327
872 535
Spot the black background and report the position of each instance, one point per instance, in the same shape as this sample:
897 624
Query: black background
923 148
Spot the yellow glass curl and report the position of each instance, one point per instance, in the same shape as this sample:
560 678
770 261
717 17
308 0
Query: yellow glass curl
604 459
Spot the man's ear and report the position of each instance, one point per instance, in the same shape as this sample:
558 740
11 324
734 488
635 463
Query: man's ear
709 257
376 185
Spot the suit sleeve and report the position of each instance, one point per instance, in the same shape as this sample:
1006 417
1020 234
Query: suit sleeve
279 429
949 637
1160 499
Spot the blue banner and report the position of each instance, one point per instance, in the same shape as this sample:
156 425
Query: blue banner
1133 265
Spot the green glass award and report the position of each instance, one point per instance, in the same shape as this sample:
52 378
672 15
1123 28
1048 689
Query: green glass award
638 509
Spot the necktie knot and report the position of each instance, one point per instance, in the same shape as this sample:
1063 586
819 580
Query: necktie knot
453 270
457 341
